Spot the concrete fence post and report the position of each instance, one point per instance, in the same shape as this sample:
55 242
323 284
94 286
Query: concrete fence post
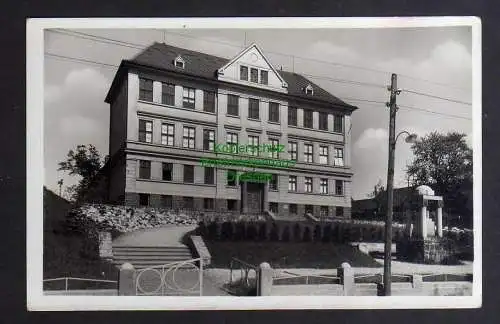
417 284
126 280
264 279
346 274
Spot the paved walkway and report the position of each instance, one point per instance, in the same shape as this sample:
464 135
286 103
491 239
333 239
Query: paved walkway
162 236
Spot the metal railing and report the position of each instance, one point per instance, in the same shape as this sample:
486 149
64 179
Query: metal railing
245 269
67 280
308 278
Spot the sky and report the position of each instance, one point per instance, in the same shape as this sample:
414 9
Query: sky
435 61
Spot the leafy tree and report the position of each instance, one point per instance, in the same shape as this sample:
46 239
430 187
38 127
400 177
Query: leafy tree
84 162
444 162
379 196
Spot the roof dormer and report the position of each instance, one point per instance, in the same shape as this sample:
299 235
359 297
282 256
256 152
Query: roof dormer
179 62
309 90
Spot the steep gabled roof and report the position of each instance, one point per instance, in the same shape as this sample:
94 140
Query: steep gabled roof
162 56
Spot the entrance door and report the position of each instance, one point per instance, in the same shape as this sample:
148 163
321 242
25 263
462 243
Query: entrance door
255 197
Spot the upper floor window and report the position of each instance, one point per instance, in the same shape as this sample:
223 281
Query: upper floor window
167 134
323 184
145 131
292 183
274 145
292 150
232 138
244 73
338 124
167 171
308 153
188 137
339 187
254 75
274 112
308 182
145 89
253 108
323 154
188 173
167 94
292 116
231 177
338 158
179 62
209 175
273 183
309 90
308 118
209 101
253 141
208 139
263 76
233 105
144 169
188 98
323 121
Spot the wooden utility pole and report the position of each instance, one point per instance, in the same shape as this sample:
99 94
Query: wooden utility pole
390 184
60 183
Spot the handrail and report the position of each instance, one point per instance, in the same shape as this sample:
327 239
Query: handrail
81 279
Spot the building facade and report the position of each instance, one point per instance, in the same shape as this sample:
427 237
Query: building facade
170 106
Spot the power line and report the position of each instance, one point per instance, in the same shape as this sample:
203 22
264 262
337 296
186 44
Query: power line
344 81
141 46
436 97
79 60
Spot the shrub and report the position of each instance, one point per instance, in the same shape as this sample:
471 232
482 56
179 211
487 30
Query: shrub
297 233
226 231
317 233
251 233
307 235
274 233
263 231
285 237
327 233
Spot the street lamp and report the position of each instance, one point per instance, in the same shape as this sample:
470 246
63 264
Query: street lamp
410 138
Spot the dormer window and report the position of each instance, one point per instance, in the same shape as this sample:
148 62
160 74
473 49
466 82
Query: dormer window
244 73
179 62
309 90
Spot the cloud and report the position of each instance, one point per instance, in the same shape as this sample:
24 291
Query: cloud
322 49
372 138
78 126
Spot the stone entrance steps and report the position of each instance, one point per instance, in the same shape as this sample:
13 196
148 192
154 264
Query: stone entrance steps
149 256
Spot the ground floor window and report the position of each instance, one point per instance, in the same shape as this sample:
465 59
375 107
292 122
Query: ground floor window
188 202
208 203
143 200
292 208
231 204
273 207
339 211
309 209
166 201
323 212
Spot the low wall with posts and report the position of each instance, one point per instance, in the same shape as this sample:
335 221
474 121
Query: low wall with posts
298 231
347 282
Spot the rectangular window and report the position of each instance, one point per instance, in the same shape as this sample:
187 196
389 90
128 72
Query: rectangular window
253 108
188 174
254 75
323 211
231 204
292 116
263 77
208 139
166 201
167 171
145 89
231 177
188 202
309 209
308 118
339 211
273 183
339 187
233 105
308 153
232 138
323 121
308 184
292 208
188 98
145 131
323 154
243 73
143 199
208 203
144 169
273 207
292 150
209 176
273 152
188 137
167 134
253 142
292 183
338 124
168 94
274 112
323 184
338 159
209 101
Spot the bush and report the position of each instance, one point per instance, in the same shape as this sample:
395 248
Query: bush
307 235
251 233
263 232
286 234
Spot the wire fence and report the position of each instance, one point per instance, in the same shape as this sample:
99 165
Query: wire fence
71 283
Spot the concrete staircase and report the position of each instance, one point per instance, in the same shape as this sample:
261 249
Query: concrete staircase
149 256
